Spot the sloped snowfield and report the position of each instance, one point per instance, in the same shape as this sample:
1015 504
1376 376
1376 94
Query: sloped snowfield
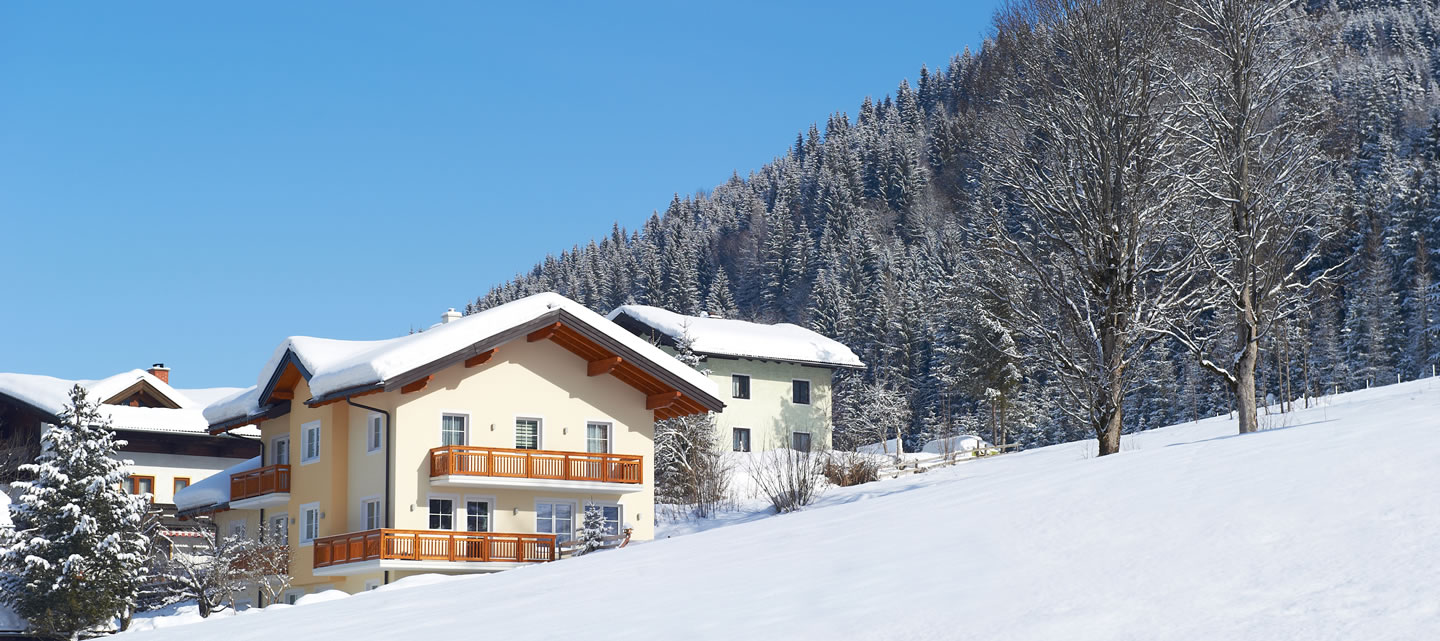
1324 526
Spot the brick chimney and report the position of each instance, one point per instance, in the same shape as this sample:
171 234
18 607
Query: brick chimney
160 371
450 315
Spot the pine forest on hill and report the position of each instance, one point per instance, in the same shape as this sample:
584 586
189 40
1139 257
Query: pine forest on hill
976 240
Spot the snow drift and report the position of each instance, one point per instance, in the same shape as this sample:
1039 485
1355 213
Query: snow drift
1321 527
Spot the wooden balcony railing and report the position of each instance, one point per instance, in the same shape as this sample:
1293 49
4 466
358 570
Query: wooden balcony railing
433 545
259 482
535 464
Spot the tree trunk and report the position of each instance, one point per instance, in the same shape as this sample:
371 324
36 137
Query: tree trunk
1245 384
1108 432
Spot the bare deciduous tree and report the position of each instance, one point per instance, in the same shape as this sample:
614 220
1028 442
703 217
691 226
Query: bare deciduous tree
1085 200
1259 177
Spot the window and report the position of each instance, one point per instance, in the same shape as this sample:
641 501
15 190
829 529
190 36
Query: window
280 529
612 519
556 518
310 442
372 584
140 485
739 386
291 596
742 439
375 433
527 434
309 523
452 429
370 510
280 450
800 392
442 514
237 529
477 516
800 441
597 438
181 483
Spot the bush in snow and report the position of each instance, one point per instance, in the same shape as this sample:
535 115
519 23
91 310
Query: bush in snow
592 530
76 557
850 468
217 570
789 478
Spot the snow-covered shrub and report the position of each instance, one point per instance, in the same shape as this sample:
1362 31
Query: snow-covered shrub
217 571
76 557
850 468
790 479
692 475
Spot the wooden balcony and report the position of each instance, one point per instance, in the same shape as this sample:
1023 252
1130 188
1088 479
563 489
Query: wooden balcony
500 467
424 549
268 486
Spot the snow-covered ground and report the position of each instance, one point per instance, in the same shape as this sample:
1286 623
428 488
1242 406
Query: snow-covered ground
1324 526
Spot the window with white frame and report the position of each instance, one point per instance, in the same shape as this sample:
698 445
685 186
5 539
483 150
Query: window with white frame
477 515
375 433
612 519
280 529
452 429
527 433
372 584
309 523
741 439
555 517
800 392
291 596
442 513
597 438
237 529
280 451
310 442
370 511
739 386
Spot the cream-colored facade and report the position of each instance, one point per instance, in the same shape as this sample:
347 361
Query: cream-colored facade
168 469
771 414
524 380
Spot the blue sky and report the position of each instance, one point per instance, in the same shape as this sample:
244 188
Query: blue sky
190 183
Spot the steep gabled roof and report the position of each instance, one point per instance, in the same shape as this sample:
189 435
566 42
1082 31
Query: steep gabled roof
337 369
182 410
739 339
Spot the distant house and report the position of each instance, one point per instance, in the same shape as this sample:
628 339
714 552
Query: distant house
778 377
166 434
473 446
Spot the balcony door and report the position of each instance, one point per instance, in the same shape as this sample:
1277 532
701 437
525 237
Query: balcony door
453 429
280 451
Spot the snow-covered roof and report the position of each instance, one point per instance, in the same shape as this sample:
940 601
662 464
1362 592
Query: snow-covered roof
729 337
50 395
337 365
213 490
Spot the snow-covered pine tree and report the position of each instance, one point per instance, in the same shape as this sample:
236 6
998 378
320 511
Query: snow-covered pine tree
76 557
592 530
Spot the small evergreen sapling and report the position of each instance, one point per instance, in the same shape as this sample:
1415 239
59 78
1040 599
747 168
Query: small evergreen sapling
76 557
592 530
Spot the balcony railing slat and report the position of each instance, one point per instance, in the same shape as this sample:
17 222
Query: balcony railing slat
433 545
462 460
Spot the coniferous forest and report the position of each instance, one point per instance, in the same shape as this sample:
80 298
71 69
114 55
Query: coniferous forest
1107 218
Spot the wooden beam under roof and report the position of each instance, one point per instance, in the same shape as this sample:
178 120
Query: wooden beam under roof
603 366
416 386
663 399
480 359
544 332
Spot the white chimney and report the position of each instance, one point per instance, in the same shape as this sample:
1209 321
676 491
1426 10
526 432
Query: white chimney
449 315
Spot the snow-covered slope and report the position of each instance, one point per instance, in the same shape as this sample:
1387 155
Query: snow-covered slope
1322 527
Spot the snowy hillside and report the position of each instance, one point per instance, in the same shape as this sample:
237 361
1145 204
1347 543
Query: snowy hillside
1322 527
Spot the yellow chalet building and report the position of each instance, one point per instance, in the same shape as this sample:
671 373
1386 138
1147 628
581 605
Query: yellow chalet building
473 446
